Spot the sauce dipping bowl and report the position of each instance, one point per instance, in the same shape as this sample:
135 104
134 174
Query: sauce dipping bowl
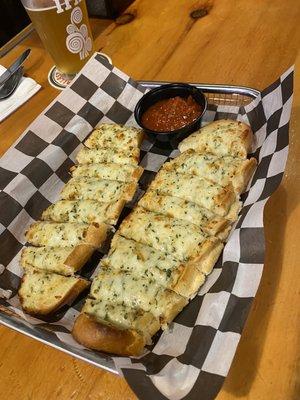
171 138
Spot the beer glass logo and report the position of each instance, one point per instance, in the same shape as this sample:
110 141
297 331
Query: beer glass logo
78 40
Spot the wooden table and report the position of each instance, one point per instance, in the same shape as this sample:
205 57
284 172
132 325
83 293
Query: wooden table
238 42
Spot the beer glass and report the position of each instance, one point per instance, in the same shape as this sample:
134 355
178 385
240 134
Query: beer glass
63 27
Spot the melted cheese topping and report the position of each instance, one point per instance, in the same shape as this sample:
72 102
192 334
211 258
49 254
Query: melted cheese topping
110 171
87 211
134 292
40 290
221 138
220 170
192 188
50 259
111 135
141 260
94 189
108 155
163 233
185 210
56 234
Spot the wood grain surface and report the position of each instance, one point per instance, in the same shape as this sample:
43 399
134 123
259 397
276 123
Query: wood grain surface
239 42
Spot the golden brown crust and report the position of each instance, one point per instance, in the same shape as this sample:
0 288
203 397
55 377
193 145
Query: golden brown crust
234 211
96 234
130 190
138 172
79 256
224 200
190 280
240 180
98 336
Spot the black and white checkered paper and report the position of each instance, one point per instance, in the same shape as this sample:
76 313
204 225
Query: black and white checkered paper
193 357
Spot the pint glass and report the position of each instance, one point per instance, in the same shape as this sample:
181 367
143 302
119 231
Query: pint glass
63 27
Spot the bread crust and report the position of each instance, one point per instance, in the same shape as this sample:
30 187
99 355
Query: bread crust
95 335
79 256
241 179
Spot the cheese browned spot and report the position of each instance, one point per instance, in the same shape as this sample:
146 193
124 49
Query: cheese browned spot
109 171
96 189
108 155
116 136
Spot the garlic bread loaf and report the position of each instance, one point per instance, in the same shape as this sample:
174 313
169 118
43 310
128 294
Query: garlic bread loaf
165 248
77 224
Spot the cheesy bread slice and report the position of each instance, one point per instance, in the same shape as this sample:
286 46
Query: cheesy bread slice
42 293
184 240
114 328
109 171
220 170
116 136
220 200
87 211
66 234
175 207
108 155
127 255
222 138
98 189
144 293
61 260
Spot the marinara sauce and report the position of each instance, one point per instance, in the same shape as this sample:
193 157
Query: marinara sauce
171 114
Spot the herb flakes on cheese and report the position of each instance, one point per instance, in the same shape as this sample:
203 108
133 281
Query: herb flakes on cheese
108 155
166 234
113 135
207 194
98 189
212 224
109 171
